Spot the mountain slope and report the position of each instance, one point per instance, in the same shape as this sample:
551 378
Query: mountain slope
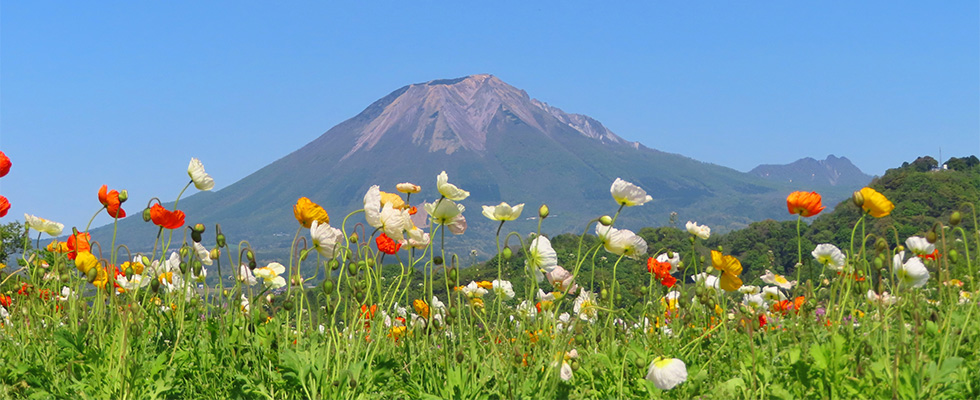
494 141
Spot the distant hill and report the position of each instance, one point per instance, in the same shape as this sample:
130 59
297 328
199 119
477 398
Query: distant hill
832 172
494 141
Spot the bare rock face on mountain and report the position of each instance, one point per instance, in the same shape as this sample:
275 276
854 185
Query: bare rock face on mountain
494 141
833 172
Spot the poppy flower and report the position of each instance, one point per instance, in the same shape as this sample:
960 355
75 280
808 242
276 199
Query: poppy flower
165 218
110 199
5 300
307 211
78 242
503 212
876 203
4 206
42 225
730 268
4 164
201 179
449 190
701 231
829 255
665 373
662 271
408 188
628 194
387 245
421 308
803 203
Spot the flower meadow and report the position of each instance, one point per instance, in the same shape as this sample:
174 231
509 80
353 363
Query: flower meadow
371 305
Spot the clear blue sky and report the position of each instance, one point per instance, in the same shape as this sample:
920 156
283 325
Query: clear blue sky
125 93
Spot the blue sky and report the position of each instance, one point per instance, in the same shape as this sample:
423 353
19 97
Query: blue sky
125 93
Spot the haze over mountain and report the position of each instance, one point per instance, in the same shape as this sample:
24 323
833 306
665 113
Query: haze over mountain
494 141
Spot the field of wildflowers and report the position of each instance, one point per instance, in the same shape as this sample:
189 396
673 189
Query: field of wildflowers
896 317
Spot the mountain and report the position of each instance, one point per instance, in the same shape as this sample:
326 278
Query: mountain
831 172
494 141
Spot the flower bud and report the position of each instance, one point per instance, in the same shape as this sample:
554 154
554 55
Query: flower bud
881 244
123 196
288 304
252 264
145 260
155 285
931 236
353 237
128 273
184 251
296 280
215 253
543 211
858 199
146 215
507 253
437 260
183 267
333 264
92 274
199 228
327 287
198 266
453 274
604 293
369 263
955 218
721 249
953 255
879 263
249 255
196 236
220 240
605 220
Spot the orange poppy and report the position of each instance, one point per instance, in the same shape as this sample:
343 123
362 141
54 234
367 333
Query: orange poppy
165 218
307 211
803 203
387 245
4 206
78 242
4 164
662 271
110 199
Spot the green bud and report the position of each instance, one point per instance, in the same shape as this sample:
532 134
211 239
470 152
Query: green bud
955 218
145 260
183 267
574 364
252 264
128 273
327 287
353 238
670 254
605 220
303 253
459 356
249 255
215 253
199 228
639 362
196 236
437 260
453 312
881 244
197 267
931 236
92 274
155 284
333 264
452 274
288 304
858 199
953 255
146 215
543 211
184 251
604 293
619 298
878 262
369 262
361 285
123 196
721 249
507 253
220 239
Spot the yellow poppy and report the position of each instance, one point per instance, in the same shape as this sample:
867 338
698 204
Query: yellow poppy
307 211
876 203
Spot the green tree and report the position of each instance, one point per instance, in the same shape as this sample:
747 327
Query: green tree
12 237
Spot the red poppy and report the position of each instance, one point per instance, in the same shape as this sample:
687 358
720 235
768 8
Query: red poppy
78 242
662 271
5 300
25 289
111 202
933 256
4 206
165 218
762 320
387 245
803 203
4 164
